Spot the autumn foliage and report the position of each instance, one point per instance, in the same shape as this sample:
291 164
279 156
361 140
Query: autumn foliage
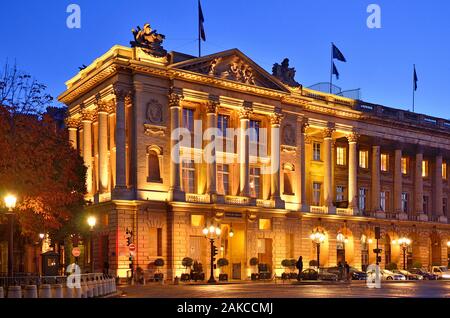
39 166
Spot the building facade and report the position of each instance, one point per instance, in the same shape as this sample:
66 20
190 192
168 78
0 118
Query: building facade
326 163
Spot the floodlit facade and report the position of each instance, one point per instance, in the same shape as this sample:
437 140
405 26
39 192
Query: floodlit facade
343 166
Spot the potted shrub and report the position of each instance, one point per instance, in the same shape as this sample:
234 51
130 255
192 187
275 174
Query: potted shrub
286 263
416 264
391 266
253 263
159 262
197 272
187 263
222 262
292 274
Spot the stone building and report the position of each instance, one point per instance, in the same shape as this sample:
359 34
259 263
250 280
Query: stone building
345 166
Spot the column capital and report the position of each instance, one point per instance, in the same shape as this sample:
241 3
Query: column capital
353 136
87 115
120 93
328 132
211 106
246 111
276 117
72 123
103 107
302 123
175 98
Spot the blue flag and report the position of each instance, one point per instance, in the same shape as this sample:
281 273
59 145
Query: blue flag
415 79
201 19
335 71
337 54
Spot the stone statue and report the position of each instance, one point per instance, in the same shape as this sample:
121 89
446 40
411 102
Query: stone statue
285 73
149 41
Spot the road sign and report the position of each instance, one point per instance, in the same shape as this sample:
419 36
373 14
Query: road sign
76 251
132 247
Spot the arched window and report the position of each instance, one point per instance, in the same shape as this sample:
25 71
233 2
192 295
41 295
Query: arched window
154 158
288 176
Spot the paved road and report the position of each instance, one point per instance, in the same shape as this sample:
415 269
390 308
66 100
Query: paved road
424 289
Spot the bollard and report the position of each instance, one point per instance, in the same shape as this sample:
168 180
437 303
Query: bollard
45 291
30 291
2 293
57 291
84 289
90 291
68 292
95 285
101 290
108 286
14 292
77 293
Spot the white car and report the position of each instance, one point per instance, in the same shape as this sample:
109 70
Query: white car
388 275
441 271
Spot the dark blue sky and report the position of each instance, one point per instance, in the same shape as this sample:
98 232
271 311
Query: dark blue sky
34 33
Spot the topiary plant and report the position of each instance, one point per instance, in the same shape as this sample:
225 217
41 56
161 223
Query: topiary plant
159 262
391 266
222 262
187 262
416 264
285 263
253 261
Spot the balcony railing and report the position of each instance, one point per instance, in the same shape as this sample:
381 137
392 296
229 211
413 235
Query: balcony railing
341 211
265 203
197 198
318 210
236 200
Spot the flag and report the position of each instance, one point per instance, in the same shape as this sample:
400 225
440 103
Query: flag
201 19
335 71
338 54
415 79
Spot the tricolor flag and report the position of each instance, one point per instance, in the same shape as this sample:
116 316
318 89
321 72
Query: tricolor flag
415 78
335 71
337 54
201 19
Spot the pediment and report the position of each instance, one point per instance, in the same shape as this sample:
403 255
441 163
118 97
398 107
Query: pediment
232 65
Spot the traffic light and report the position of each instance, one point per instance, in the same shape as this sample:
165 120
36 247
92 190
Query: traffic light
377 233
378 259
213 252
377 250
128 240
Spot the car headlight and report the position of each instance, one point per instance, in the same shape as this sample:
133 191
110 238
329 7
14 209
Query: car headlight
445 275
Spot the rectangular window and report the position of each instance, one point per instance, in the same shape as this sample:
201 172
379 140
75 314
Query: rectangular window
265 224
188 119
159 242
223 179
362 199
188 176
383 201
223 122
444 206
444 171
316 193
425 168
255 182
405 165
405 202
254 127
316 151
340 193
384 160
340 156
364 159
425 204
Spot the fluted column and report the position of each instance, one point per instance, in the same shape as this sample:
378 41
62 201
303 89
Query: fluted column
244 153
328 169
437 188
275 122
87 119
72 126
102 113
398 181
211 114
121 180
353 172
175 192
418 183
302 123
376 172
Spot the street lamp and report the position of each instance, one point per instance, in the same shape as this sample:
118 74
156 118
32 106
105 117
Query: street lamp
91 222
318 237
404 242
10 203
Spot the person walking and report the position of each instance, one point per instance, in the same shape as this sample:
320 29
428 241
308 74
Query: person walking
299 266
341 271
347 271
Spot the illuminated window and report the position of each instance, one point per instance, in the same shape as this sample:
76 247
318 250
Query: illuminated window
316 193
362 199
316 151
340 193
384 162
197 220
340 156
424 168
405 198
188 119
265 224
188 176
444 170
223 179
222 125
255 182
404 165
364 159
383 200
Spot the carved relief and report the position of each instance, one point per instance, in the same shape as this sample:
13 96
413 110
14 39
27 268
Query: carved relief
289 135
154 112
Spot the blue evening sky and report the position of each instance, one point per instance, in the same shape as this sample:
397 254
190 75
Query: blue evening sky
34 34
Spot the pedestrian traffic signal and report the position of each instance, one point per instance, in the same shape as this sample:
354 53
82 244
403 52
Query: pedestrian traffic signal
214 250
378 259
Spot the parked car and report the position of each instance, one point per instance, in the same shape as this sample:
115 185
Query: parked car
408 275
356 274
441 271
309 274
388 275
324 274
426 275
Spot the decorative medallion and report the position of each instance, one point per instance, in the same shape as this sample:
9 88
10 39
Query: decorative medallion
154 112
289 135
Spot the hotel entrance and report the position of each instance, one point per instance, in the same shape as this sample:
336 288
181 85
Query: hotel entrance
232 247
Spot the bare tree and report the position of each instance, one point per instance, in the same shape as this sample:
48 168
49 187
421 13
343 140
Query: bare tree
22 94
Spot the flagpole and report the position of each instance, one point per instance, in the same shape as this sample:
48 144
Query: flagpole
199 31
414 88
331 69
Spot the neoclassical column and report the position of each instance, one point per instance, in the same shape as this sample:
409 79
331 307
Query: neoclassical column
398 181
211 118
275 123
353 172
244 154
175 192
302 124
72 126
87 119
103 169
121 180
376 174
437 188
418 182
328 168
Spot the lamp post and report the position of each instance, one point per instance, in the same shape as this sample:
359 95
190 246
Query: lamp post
318 237
38 257
404 242
341 238
10 203
91 222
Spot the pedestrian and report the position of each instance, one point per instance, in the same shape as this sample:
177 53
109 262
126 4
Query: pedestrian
299 266
347 271
341 271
